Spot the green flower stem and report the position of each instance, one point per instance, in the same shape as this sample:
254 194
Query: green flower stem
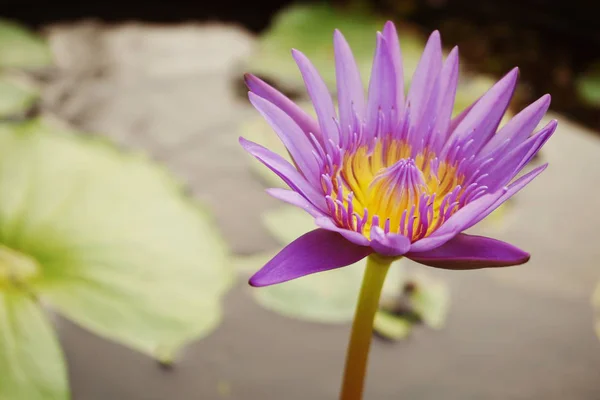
362 328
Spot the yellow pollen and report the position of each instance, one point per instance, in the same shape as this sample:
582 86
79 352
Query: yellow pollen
389 183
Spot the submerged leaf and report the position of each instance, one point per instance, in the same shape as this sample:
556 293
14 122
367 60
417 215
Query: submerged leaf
31 362
120 250
21 48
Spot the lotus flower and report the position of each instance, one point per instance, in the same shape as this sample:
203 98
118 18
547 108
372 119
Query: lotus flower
392 175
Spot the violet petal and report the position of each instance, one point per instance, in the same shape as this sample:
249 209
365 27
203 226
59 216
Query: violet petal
380 99
298 144
262 89
316 251
390 245
319 95
286 172
472 252
351 95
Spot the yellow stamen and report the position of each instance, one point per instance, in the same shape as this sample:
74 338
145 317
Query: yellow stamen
371 175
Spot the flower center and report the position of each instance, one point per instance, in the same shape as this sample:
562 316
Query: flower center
389 186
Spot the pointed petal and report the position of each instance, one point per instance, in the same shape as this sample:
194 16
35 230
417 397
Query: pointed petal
286 172
351 95
446 85
319 95
391 37
295 199
298 144
483 119
382 95
424 78
390 245
472 252
519 127
507 168
354 237
316 251
512 189
269 93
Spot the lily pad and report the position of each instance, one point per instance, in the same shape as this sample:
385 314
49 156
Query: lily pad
21 48
430 299
309 28
31 362
16 97
114 244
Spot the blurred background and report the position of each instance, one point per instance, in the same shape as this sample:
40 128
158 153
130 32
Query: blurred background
162 82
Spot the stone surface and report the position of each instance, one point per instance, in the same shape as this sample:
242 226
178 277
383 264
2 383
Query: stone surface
518 333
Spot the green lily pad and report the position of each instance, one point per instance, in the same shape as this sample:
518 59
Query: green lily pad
309 28
115 245
391 326
588 85
31 362
21 48
16 97
430 299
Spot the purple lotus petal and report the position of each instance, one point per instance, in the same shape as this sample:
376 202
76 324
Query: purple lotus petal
381 98
391 37
316 251
391 244
285 171
354 237
428 69
519 127
441 110
513 189
472 252
295 199
485 116
262 89
291 135
351 95
319 95
514 161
